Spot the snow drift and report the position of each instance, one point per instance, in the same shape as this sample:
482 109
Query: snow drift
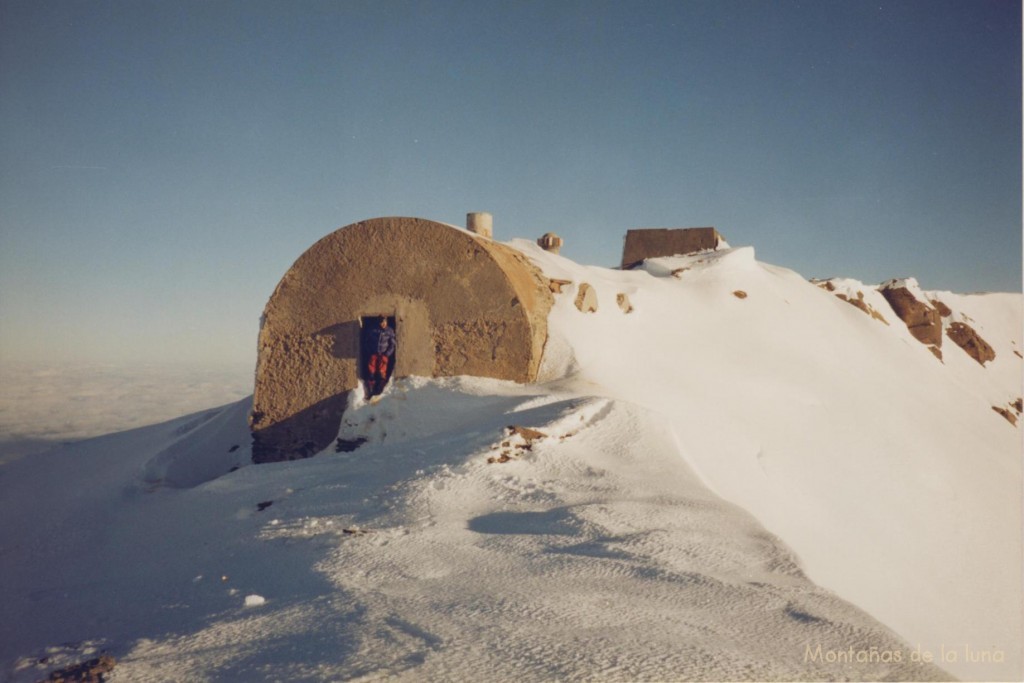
885 468
744 477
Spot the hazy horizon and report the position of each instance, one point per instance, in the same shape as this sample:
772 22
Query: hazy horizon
164 163
46 404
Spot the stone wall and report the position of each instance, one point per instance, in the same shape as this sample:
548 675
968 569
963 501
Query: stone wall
653 242
463 304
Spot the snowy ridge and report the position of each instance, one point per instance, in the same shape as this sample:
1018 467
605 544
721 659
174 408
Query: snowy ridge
843 435
867 299
741 478
996 317
908 283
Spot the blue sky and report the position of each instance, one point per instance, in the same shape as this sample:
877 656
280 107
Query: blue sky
163 163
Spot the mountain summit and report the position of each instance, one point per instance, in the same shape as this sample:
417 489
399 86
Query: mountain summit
723 472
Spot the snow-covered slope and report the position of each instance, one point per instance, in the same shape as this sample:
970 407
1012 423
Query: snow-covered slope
886 469
594 553
743 478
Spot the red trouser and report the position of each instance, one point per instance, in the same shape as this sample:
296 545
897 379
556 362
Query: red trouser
378 366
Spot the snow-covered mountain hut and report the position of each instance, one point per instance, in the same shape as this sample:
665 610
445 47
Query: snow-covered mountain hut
461 304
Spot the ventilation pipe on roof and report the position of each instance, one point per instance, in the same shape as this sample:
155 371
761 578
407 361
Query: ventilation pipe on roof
480 223
550 242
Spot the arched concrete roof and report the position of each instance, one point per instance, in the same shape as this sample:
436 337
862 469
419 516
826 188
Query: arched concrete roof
464 305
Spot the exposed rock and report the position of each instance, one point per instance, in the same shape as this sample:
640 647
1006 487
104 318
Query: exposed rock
740 294
520 439
936 351
528 435
923 321
970 341
857 302
92 671
1010 417
555 284
623 301
586 298
260 507
678 272
863 305
944 310
1012 412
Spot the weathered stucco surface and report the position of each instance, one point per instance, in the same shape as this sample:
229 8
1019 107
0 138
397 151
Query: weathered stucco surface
463 304
654 242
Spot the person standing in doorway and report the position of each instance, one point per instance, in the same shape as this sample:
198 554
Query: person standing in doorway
382 353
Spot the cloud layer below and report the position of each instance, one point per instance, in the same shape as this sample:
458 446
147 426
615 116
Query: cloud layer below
43 405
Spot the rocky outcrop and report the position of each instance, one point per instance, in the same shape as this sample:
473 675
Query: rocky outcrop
518 440
623 302
92 671
944 310
857 301
1010 417
586 298
922 319
863 305
965 336
556 284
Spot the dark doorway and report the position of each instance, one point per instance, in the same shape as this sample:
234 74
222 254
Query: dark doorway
372 381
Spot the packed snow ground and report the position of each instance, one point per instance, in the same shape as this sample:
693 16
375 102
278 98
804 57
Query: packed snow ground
770 487
597 554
